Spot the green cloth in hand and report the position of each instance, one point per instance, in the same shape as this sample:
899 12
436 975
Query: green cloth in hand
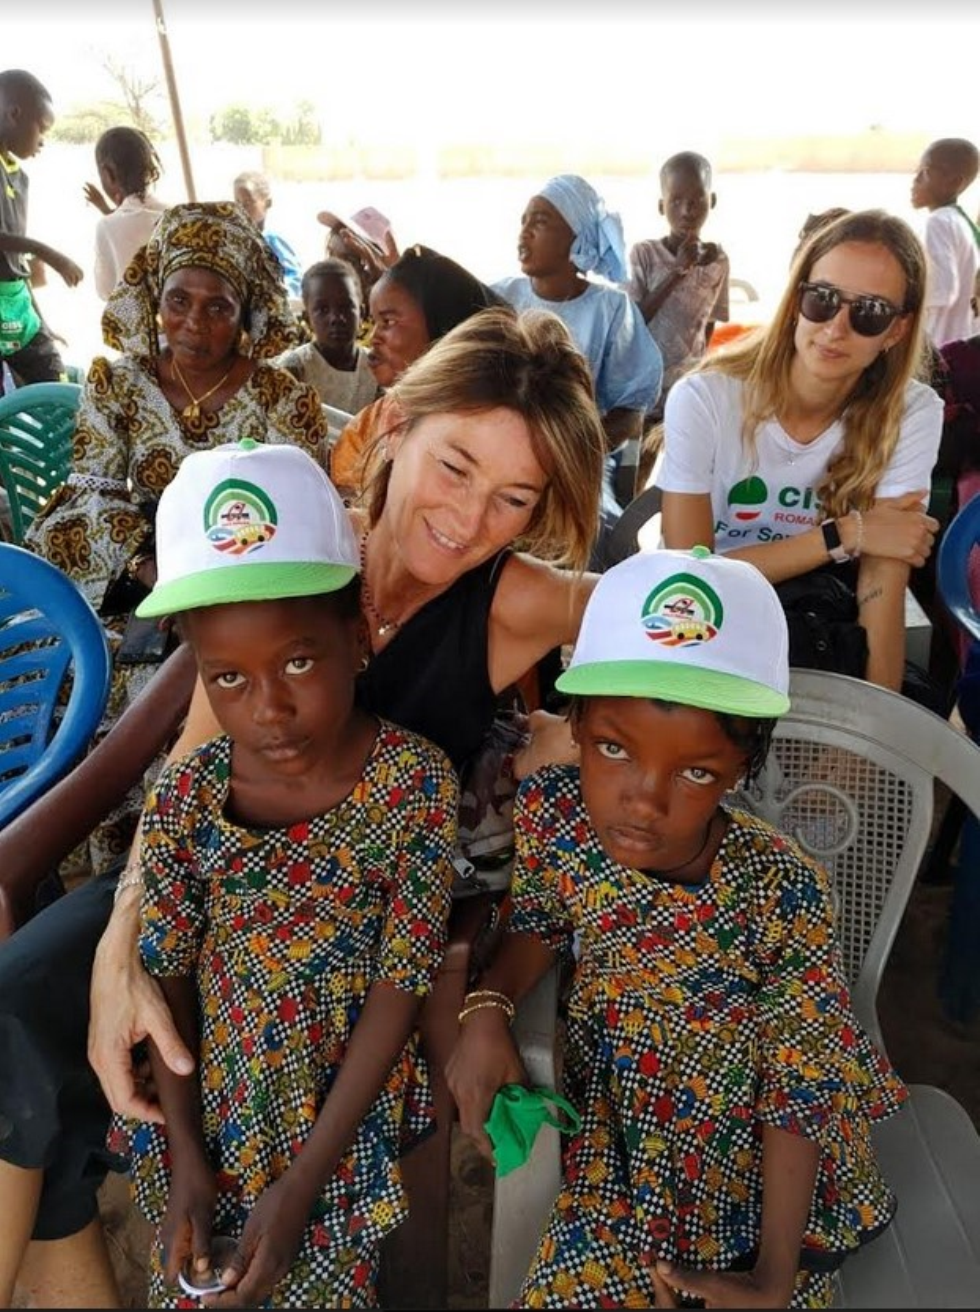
517 1115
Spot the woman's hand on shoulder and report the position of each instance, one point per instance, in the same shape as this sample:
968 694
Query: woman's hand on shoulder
895 527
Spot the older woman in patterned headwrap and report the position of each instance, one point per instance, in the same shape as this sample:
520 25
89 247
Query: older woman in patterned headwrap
198 311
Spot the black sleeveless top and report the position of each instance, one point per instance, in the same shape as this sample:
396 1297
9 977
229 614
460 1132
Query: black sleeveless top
432 677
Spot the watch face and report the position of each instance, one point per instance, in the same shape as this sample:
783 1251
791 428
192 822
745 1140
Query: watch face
831 537
198 1283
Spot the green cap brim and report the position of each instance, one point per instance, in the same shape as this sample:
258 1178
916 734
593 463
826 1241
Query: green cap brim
266 582
689 685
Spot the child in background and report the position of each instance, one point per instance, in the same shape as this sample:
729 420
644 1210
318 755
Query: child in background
725 1086
26 344
333 362
951 238
296 889
680 282
367 241
254 194
128 167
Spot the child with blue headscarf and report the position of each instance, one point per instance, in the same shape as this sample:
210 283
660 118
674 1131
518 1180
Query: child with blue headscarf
571 251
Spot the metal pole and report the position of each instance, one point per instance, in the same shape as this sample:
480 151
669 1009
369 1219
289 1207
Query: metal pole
168 69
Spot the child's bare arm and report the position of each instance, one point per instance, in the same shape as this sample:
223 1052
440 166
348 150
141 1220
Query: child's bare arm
275 1227
485 1056
12 244
789 1172
95 197
186 1228
179 1094
688 255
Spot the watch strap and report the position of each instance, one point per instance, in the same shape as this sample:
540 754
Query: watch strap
832 541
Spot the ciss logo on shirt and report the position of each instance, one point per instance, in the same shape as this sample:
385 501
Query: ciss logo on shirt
756 511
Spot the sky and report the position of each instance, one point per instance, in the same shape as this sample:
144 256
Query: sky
538 70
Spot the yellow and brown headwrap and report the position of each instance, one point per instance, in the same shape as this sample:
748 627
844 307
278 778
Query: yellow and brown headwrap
215 235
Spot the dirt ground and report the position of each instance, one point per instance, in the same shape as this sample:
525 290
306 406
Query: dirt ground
925 1046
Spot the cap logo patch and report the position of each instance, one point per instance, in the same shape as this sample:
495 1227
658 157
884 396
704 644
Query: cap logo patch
682 612
239 518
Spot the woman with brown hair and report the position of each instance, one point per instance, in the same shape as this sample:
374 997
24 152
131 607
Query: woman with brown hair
472 542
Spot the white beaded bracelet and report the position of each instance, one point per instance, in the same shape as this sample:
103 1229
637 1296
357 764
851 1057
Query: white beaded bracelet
859 541
131 877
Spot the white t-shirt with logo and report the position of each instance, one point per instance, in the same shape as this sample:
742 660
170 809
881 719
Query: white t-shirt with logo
770 493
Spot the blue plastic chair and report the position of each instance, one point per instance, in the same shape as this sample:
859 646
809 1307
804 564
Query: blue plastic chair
37 429
959 982
953 566
48 631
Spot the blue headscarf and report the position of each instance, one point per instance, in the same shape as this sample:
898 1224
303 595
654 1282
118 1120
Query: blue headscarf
599 245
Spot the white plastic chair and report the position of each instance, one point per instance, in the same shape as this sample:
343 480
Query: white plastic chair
337 421
852 775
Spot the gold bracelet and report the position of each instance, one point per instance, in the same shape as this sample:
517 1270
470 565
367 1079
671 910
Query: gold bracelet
131 877
508 1009
505 1001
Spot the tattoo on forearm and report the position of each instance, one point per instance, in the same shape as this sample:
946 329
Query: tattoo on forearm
869 596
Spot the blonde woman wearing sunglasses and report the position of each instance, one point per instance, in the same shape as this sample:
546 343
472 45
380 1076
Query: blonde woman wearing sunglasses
809 447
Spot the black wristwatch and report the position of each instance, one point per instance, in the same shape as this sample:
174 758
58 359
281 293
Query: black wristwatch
831 537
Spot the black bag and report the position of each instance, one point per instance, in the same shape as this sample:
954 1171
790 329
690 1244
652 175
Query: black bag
821 615
485 848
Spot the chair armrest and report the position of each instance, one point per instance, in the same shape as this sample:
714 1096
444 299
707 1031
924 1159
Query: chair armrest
522 1200
48 830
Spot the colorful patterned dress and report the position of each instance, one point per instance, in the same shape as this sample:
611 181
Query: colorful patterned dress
697 1013
286 930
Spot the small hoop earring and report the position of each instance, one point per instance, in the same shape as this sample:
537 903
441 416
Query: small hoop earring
365 662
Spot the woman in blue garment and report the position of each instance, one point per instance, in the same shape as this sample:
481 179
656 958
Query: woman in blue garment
571 251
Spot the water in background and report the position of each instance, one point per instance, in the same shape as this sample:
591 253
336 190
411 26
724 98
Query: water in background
474 220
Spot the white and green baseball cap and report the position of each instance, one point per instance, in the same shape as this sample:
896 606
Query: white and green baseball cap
249 521
684 626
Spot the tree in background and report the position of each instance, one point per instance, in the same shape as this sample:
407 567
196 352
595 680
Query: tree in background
139 105
242 126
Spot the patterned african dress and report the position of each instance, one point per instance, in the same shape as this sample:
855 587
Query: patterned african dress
129 442
697 1013
286 930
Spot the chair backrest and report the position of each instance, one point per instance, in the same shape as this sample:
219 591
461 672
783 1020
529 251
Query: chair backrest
852 777
48 631
622 540
37 428
337 421
958 567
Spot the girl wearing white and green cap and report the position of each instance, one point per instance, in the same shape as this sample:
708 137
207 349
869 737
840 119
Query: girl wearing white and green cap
725 1088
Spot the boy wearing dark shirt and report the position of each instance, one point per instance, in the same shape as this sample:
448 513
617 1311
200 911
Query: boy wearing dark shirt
26 345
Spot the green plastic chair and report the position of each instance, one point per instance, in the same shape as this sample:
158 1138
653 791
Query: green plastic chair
37 427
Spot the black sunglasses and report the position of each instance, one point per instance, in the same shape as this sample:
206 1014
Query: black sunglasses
870 315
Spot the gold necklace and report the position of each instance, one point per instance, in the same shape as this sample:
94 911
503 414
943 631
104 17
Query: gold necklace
193 411
385 626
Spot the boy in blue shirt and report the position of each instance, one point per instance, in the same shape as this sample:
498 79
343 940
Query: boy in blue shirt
26 345
253 193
